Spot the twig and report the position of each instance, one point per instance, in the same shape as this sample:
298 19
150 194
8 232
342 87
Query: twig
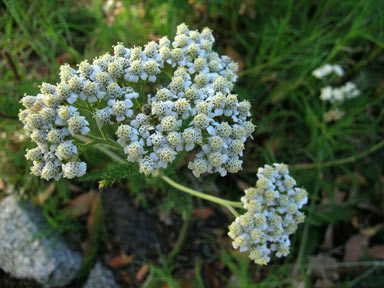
12 65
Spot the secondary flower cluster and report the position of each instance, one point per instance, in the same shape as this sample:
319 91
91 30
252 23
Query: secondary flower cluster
273 213
335 95
50 123
159 99
339 94
327 70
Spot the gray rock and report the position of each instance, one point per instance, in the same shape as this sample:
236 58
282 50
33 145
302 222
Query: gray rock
101 277
28 250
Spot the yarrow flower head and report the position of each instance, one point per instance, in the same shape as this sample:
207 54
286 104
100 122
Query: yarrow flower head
156 100
339 94
335 95
326 70
273 214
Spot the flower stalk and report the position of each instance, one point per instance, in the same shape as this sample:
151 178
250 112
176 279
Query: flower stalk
226 203
230 205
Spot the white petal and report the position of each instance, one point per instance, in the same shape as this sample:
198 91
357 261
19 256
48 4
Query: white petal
189 146
211 131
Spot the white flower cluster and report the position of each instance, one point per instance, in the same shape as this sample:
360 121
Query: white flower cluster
347 91
335 95
192 106
50 123
326 70
273 213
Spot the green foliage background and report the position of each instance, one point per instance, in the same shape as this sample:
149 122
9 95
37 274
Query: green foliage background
278 44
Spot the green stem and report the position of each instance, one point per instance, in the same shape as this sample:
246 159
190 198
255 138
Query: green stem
230 205
88 144
232 210
111 143
82 107
204 196
180 240
102 133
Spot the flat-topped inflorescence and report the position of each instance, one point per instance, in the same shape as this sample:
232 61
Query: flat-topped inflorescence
339 94
327 70
160 99
335 95
273 213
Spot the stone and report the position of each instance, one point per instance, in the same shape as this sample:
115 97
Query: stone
29 248
101 277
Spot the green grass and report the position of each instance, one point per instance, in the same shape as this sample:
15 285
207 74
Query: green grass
279 43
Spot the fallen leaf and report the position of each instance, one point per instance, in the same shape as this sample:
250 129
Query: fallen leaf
43 196
95 214
377 252
81 205
2 185
121 260
354 248
328 238
143 271
203 212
